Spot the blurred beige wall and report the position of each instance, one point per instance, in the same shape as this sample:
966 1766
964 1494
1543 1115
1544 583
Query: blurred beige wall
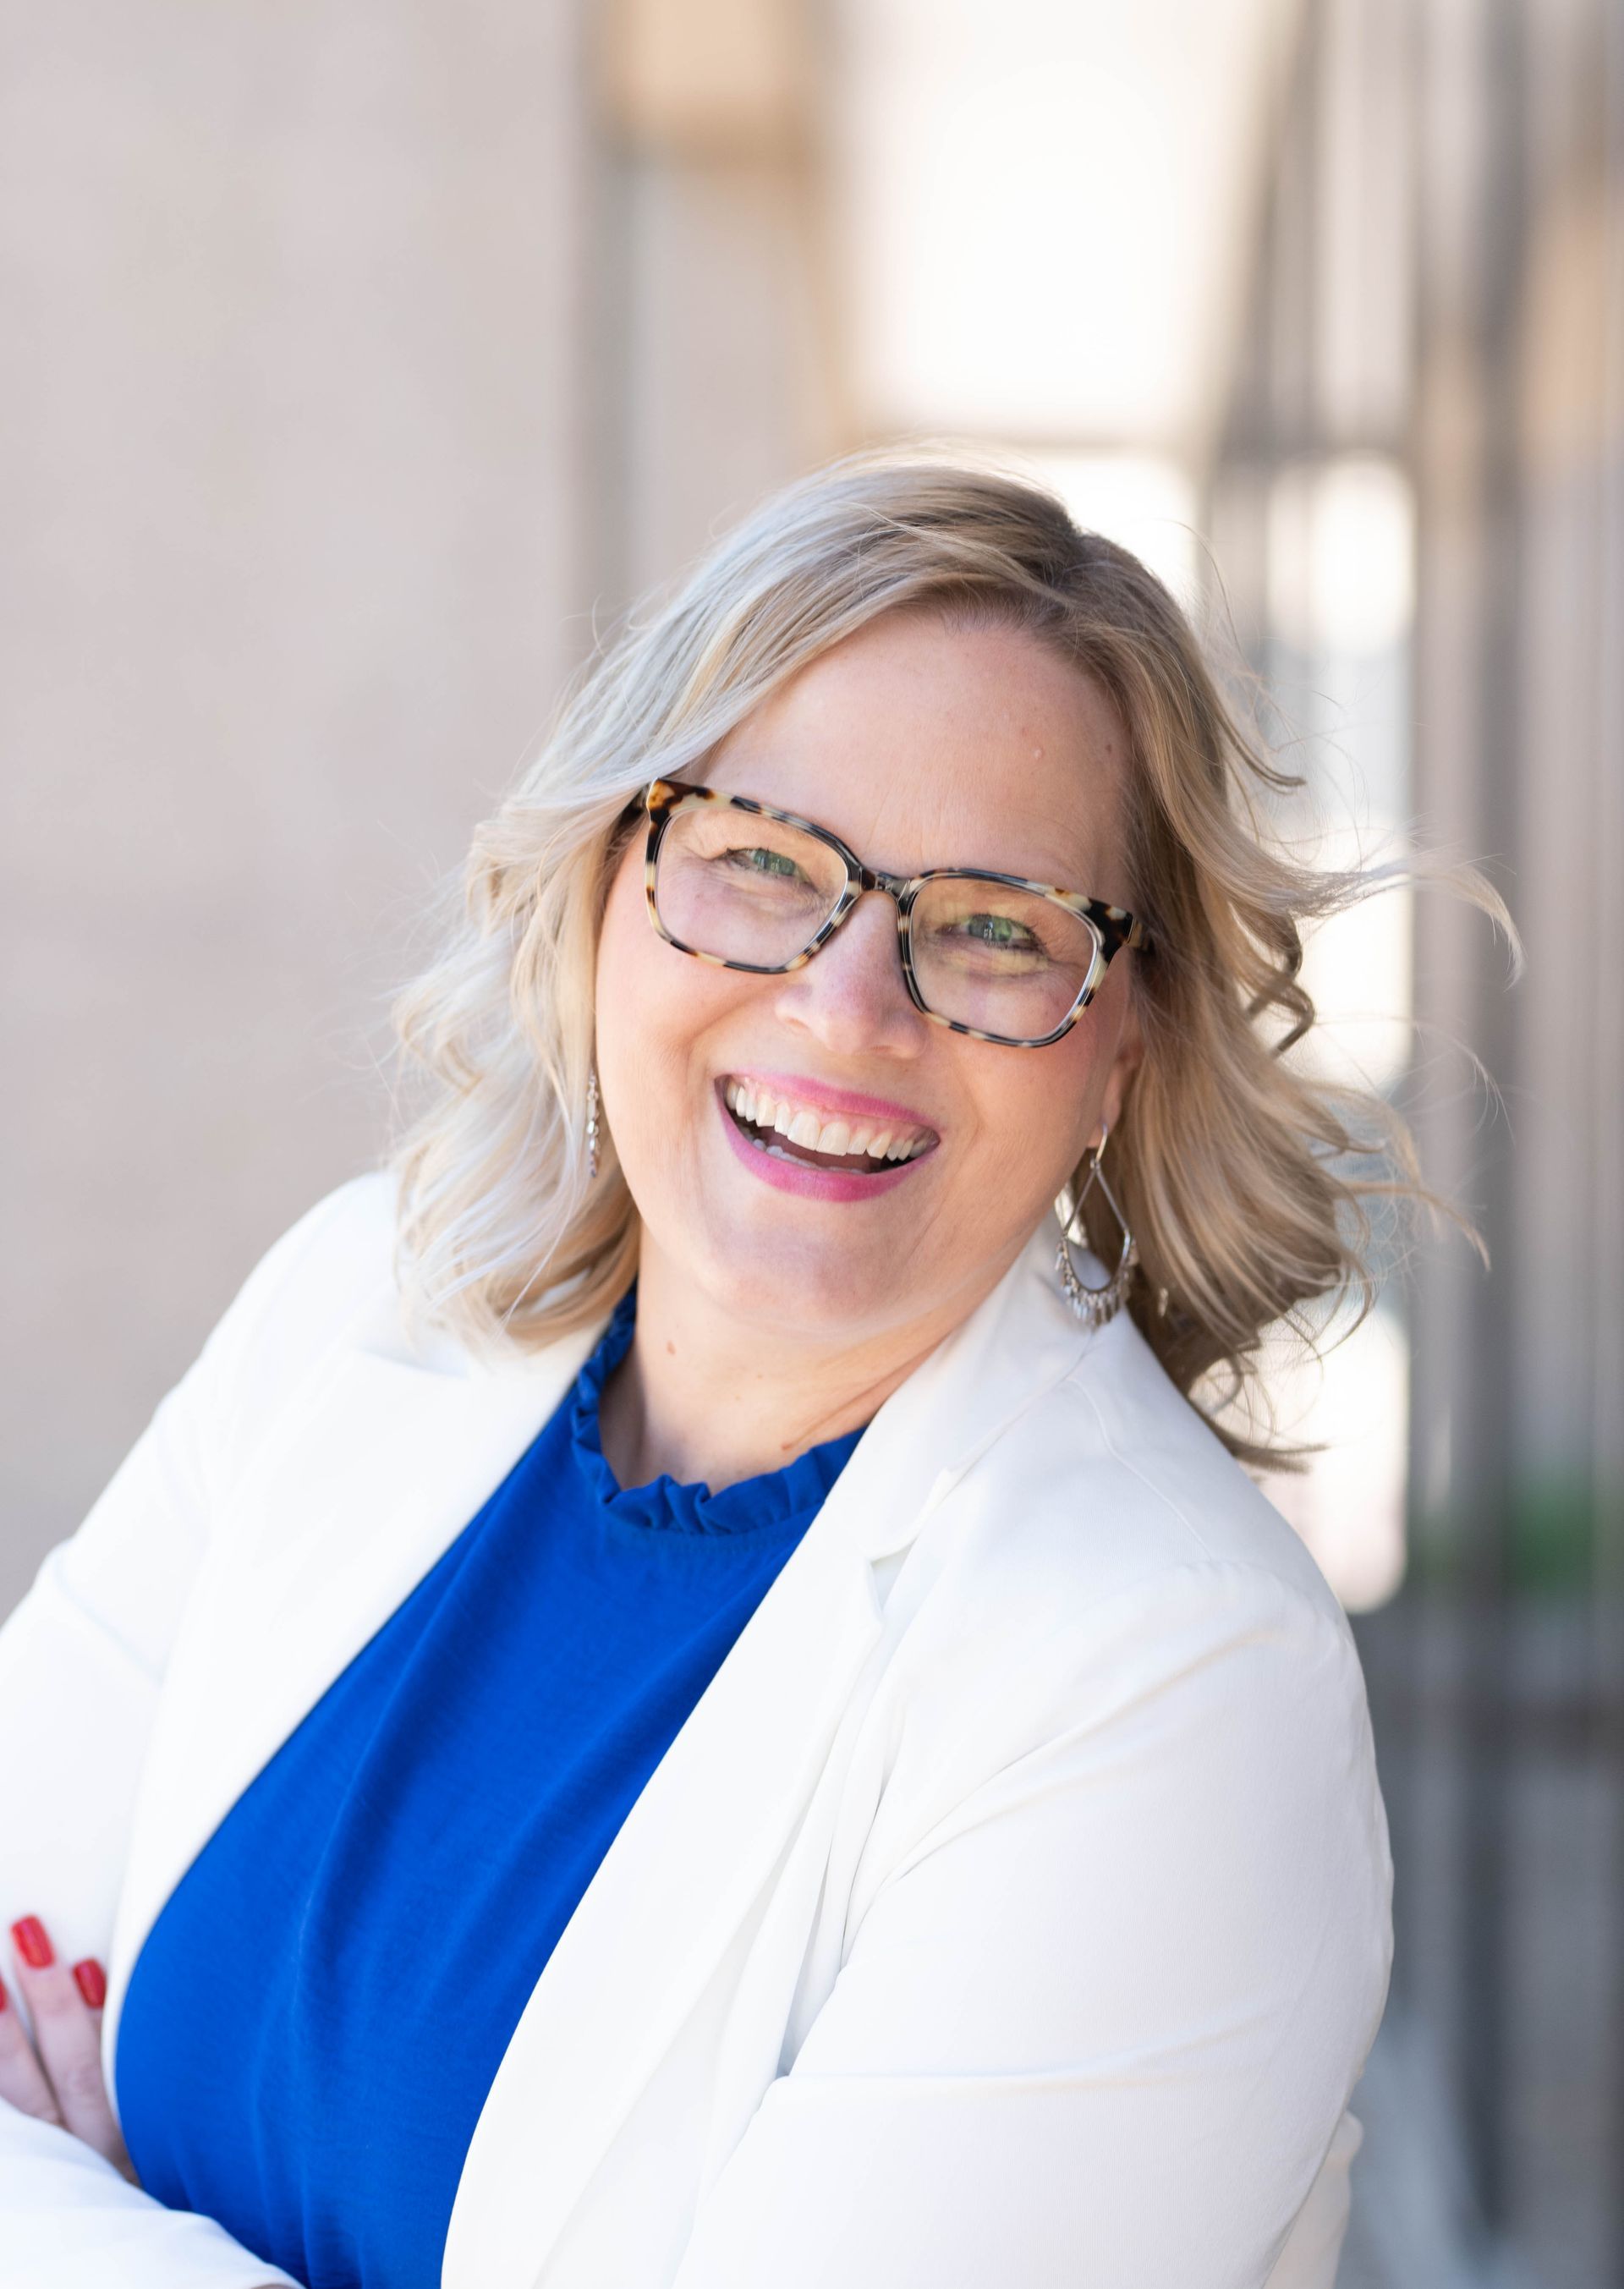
353 357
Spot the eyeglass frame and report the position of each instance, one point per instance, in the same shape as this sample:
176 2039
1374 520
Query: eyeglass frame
1112 928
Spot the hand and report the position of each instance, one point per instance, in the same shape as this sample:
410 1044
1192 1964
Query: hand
58 2076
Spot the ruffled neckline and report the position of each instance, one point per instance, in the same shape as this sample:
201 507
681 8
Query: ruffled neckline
665 1504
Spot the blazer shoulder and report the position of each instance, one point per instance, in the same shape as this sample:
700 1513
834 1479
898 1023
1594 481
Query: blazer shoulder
334 1259
1105 1573
313 1282
1184 1467
1119 1482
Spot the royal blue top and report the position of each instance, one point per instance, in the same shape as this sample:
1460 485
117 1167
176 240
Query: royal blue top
319 2011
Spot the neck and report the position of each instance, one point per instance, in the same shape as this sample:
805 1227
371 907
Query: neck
712 1397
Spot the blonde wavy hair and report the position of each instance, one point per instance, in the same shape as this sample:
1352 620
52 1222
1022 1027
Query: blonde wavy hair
1248 1181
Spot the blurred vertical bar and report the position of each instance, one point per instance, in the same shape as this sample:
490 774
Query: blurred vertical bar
1483 1494
1518 1382
720 365
1607 1000
1495 2102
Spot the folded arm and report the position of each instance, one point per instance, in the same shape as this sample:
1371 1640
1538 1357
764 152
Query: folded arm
83 1659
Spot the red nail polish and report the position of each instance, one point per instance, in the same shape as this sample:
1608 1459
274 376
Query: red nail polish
93 1982
5 1997
35 1949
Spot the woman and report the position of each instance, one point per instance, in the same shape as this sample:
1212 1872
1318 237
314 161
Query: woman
686 1691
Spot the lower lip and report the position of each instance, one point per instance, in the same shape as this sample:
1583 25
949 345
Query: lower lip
814 1183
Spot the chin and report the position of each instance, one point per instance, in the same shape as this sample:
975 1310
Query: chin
814 1293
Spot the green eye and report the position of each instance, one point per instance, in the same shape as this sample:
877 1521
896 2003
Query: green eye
758 861
997 930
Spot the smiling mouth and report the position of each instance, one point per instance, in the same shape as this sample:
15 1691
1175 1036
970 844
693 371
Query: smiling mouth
859 1146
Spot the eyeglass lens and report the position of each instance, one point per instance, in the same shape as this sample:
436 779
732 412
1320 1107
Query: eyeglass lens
751 890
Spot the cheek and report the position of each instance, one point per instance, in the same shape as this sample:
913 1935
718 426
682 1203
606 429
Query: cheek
640 1004
653 1004
1039 1108
625 943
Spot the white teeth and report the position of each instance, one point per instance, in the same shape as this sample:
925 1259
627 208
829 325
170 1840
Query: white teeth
800 1125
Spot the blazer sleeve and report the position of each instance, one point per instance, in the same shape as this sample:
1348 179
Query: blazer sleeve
82 1658
1100 2024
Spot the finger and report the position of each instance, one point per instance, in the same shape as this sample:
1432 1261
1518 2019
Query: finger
22 2078
93 1984
66 2036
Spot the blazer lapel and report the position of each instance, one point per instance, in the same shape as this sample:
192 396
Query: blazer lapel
706 1834
679 1878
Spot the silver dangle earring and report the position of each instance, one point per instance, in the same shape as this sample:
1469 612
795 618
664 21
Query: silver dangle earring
592 1123
1098 1305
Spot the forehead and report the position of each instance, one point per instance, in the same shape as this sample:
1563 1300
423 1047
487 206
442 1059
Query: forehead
927 743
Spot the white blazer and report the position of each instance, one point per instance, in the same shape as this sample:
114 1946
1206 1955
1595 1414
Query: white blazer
1012 1908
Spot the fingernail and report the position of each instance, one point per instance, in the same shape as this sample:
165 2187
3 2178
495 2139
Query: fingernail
35 1949
93 1982
4 1999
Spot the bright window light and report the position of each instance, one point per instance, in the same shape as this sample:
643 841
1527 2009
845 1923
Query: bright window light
1341 580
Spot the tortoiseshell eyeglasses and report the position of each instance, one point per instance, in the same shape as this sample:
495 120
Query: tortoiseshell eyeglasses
737 882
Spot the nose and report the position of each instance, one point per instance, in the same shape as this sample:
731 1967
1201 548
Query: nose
852 997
